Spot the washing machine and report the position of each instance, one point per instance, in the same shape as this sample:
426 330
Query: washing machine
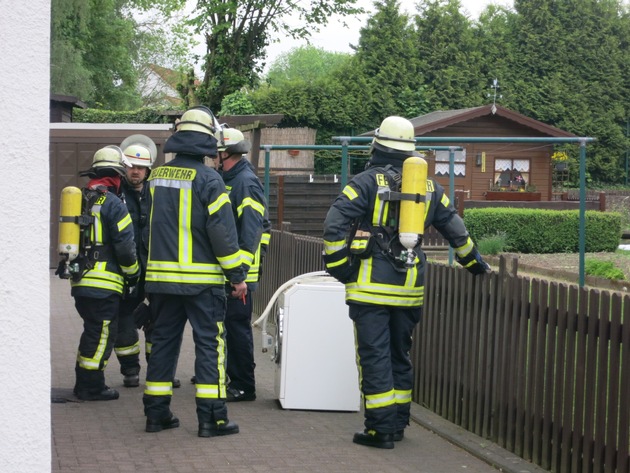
314 348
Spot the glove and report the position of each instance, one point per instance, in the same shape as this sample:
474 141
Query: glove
142 315
132 280
474 263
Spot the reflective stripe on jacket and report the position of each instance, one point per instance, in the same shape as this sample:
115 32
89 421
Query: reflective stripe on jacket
376 280
192 240
113 229
251 214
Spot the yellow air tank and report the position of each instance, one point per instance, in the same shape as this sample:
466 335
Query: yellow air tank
69 229
414 182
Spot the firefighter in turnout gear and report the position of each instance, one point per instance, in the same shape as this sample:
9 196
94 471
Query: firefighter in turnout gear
383 291
249 208
141 152
193 248
111 268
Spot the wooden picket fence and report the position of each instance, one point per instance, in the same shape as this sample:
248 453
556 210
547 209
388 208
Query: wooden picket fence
540 368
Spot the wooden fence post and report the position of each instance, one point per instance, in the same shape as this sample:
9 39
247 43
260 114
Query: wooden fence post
459 202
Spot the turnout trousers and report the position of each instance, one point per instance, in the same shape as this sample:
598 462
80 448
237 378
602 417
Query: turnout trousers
206 313
383 340
240 344
127 347
100 318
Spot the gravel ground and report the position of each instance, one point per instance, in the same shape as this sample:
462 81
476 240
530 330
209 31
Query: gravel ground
570 261
552 266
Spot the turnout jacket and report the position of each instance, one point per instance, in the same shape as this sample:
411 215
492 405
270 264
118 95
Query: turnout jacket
112 236
139 205
374 278
251 214
193 243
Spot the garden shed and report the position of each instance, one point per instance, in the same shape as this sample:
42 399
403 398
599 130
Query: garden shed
492 171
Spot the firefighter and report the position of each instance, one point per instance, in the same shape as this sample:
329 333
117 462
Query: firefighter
383 291
193 248
111 268
249 208
140 151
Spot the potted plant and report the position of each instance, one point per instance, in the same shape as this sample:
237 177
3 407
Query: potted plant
560 160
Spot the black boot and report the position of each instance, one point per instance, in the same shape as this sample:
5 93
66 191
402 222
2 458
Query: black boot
372 438
398 435
106 394
225 427
131 380
157 425
236 395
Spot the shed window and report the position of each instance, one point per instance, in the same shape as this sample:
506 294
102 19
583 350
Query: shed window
511 173
442 163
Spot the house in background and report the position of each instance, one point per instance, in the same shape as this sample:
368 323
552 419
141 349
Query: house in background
158 87
525 169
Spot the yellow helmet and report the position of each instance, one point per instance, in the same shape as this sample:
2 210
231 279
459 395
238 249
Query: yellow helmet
109 158
234 142
140 150
395 133
198 119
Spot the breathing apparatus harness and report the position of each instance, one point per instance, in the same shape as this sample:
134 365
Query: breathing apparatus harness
89 253
364 236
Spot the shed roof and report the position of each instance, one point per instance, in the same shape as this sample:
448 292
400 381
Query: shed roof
443 118
69 100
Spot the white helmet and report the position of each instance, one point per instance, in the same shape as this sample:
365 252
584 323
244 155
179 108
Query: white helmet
140 150
198 119
234 142
107 159
395 133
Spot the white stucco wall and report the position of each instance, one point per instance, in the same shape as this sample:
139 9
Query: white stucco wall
24 228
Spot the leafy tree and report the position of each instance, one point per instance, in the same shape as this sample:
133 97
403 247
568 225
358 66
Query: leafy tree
386 58
110 56
306 63
573 66
448 56
493 35
237 32
69 74
237 103
99 48
163 39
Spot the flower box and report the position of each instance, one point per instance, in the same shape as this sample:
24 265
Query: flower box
560 166
513 196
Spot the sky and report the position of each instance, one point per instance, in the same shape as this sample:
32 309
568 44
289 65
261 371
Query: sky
335 37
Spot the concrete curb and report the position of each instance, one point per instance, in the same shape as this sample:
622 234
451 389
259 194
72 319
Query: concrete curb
480 448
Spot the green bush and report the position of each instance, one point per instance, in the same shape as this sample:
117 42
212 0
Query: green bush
545 231
142 115
493 245
603 269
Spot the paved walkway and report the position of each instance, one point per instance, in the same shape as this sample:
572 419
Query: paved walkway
109 437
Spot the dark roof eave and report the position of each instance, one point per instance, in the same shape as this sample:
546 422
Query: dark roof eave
74 101
476 112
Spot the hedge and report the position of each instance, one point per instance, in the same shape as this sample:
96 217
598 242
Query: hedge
142 115
545 231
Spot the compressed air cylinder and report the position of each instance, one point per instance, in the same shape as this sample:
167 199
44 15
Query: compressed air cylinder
414 181
69 229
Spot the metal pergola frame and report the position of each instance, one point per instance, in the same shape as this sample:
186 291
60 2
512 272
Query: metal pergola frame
346 146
